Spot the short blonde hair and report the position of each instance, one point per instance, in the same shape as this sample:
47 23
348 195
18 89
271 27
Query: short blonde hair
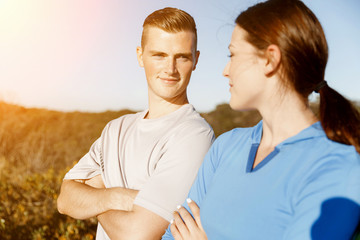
171 20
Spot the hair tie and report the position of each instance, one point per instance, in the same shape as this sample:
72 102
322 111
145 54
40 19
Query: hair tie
320 85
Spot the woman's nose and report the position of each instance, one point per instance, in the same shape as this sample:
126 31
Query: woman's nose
226 70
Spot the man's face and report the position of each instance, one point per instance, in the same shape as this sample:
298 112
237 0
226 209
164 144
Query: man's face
168 60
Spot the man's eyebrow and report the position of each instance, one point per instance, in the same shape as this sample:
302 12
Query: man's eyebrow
157 52
186 54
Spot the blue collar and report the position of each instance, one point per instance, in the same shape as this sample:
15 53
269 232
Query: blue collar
312 131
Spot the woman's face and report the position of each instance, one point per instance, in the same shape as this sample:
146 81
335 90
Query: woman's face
245 72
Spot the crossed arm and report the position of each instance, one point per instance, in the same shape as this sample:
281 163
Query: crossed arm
112 206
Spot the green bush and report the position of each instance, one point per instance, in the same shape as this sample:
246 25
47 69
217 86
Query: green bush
28 209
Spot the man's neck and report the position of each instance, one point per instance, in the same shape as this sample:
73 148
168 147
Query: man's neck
161 107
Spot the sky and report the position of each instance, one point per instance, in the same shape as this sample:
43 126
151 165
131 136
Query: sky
80 55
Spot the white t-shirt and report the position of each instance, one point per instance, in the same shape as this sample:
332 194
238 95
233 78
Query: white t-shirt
159 157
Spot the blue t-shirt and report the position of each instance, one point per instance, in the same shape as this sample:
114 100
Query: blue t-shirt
307 188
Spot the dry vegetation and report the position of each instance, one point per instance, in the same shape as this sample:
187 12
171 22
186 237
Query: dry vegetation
38 146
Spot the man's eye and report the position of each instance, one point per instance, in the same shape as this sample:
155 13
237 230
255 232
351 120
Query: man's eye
184 58
159 55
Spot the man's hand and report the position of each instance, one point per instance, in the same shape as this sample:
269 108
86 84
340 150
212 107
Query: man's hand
120 199
184 226
82 200
95 182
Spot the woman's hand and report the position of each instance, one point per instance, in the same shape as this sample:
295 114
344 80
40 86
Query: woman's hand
184 226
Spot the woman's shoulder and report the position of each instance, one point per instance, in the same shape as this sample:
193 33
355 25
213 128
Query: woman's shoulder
331 161
315 148
335 151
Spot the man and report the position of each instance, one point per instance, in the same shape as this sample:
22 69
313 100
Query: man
143 164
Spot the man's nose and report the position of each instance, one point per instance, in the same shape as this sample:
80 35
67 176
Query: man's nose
171 66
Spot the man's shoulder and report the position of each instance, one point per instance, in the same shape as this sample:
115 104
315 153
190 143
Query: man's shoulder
193 120
122 122
194 126
194 129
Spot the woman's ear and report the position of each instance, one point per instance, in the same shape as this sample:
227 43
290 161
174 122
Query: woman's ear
273 59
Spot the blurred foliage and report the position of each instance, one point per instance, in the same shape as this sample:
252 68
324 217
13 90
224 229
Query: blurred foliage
28 209
37 148
223 119
38 139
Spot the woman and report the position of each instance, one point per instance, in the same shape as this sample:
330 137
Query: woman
291 176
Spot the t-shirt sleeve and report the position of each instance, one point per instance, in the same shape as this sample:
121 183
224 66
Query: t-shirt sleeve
89 165
176 170
328 205
202 182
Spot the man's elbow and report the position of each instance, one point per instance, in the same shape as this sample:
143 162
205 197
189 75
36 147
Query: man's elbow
62 201
64 208
61 206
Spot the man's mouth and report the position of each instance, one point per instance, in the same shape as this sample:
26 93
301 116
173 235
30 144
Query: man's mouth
169 80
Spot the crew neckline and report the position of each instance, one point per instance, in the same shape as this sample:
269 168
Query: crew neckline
183 108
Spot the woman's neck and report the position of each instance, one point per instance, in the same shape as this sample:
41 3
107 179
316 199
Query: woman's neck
285 119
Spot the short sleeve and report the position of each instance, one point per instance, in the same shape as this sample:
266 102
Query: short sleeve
90 164
202 182
175 172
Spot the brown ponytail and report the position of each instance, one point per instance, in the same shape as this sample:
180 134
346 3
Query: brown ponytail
339 118
294 28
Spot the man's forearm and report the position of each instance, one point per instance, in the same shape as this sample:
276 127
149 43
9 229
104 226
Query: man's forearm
81 201
136 224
